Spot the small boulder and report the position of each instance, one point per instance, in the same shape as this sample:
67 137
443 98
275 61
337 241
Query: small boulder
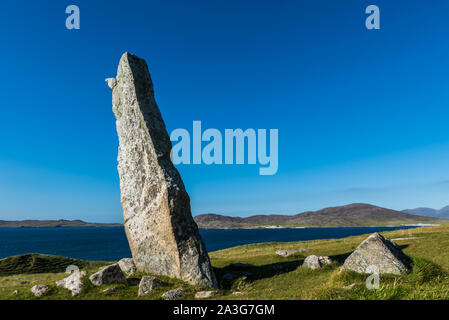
73 282
324 260
147 284
173 294
39 290
127 265
107 275
287 253
111 289
349 287
15 292
205 294
379 253
315 262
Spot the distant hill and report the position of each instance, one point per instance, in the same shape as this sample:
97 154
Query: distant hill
429 212
352 215
52 224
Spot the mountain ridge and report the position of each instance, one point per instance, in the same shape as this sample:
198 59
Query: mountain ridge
442 213
52 224
351 215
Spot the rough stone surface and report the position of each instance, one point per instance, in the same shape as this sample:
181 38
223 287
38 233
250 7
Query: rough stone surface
312 262
161 232
147 284
107 275
287 253
324 260
73 282
377 252
39 290
127 265
315 262
205 294
173 294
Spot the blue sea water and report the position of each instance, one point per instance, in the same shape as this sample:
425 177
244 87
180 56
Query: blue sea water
110 244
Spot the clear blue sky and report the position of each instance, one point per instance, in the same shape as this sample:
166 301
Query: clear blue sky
362 115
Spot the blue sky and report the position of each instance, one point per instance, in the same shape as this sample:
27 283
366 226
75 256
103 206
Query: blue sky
362 115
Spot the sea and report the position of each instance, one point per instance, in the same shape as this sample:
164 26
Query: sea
110 243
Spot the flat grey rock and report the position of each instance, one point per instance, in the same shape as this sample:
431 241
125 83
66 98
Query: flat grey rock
377 253
108 275
287 253
205 294
173 294
162 235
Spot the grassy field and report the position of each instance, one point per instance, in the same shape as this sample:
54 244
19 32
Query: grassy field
270 276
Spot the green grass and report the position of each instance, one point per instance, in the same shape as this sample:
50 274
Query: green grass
270 276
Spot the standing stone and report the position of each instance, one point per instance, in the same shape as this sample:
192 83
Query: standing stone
377 252
161 232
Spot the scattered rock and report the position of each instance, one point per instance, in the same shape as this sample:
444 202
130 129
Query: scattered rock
127 265
108 275
111 289
147 284
237 293
156 206
39 290
205 294
15 292
242 283
349 287
315 262
73 282
409 238
287 253
377 252
324 260
173 294
311 262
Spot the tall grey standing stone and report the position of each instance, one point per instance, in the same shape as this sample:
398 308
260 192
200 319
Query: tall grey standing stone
379 253
161 232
